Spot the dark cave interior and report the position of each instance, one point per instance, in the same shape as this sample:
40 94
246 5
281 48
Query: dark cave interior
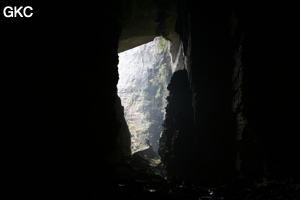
232 119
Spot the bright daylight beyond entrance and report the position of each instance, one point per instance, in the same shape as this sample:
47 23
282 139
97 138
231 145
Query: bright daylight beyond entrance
144 74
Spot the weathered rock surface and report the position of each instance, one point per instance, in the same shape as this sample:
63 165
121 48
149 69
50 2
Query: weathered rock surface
144 73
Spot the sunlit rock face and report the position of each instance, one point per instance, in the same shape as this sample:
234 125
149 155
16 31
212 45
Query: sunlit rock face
144 73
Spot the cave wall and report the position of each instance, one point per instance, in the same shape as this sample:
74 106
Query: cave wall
123 144
205 32
139 23
60 77
267 58
236 55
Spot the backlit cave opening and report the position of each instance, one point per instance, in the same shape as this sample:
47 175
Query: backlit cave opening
231 124
144 74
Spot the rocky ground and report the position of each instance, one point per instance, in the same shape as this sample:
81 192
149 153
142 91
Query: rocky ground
142 177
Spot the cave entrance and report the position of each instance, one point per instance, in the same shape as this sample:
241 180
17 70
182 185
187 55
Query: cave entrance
144 74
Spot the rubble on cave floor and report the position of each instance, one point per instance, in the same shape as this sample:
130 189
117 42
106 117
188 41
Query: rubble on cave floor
148 156
178 189
142 178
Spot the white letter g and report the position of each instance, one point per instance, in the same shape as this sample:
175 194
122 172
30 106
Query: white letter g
10 11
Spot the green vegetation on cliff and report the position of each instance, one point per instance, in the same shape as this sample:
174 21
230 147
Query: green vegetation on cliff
143 89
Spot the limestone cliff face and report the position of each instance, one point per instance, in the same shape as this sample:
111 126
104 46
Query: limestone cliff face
144 73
